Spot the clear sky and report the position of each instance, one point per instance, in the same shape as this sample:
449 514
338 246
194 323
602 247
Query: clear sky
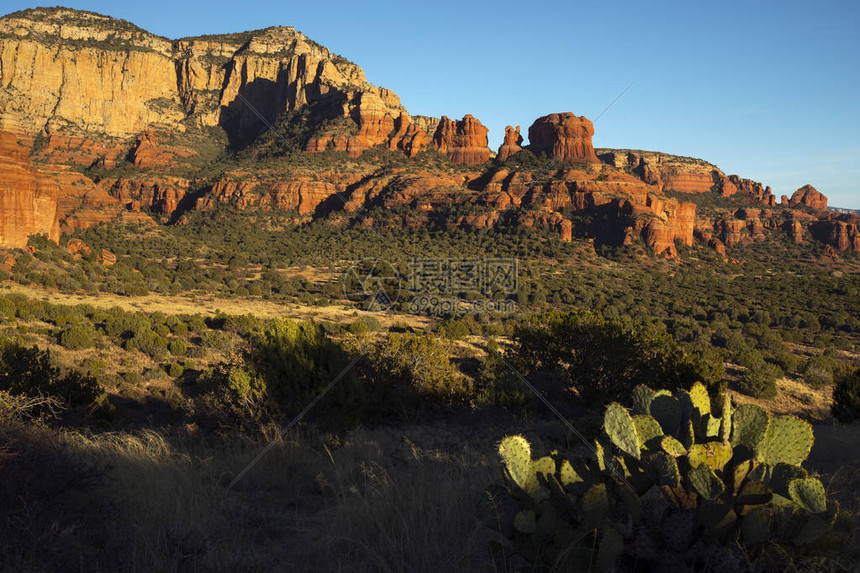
767 90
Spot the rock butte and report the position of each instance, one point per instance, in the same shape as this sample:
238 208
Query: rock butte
88 91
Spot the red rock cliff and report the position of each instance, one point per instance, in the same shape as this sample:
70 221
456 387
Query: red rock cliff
808 196
28 199
463 141
512 143
564 136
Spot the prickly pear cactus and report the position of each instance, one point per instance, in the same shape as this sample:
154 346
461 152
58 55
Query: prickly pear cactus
648 431
749 426
658 480
621 430
788 440
516 454
809 494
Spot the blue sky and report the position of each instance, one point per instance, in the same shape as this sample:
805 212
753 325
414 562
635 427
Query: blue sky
767 90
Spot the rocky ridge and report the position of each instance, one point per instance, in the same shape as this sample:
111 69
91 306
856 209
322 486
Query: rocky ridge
99 94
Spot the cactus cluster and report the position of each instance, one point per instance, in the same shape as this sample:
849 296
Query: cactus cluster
668 479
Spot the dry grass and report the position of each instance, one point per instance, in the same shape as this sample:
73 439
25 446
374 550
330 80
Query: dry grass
793 397
391 499
209 305
150 501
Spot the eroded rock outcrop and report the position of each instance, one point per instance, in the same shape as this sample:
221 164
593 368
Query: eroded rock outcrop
564 137
749 188
840 232
55 63
463 141
668 172
808 196
28 198
512 143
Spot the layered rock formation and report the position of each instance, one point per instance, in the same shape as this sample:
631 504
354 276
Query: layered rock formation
841 232
80 75
564 137
807 196
28 198
512 143
98 93
669 172
463 141
749 188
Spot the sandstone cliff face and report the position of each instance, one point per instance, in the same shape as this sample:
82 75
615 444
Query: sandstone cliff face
84 75
376 126
669 172
808 196
752 189
28 198
512 143
564 137
841 232
463 141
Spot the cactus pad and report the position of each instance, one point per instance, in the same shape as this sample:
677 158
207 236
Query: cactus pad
700 399
749 426
611 547
666 409
726 427
706 483
568 475
595 500
783 474
642 396
756 526
809 494
688 434
648 430
516 453
715 455
788 439
621 430
673 447
711 426
524 522
753 493
666 469
600 455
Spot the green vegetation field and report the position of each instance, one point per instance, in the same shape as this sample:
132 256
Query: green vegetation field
134 396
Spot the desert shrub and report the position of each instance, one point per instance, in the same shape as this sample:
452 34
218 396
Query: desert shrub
217 340
133 378
124 325
194 322
242 325
498 386
28 370
601 359
7 308
818 371
454 329
411 369
174 370
759 377
787 361
176 325
78 336
846 397
148 342
298 362
177 347
365 323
